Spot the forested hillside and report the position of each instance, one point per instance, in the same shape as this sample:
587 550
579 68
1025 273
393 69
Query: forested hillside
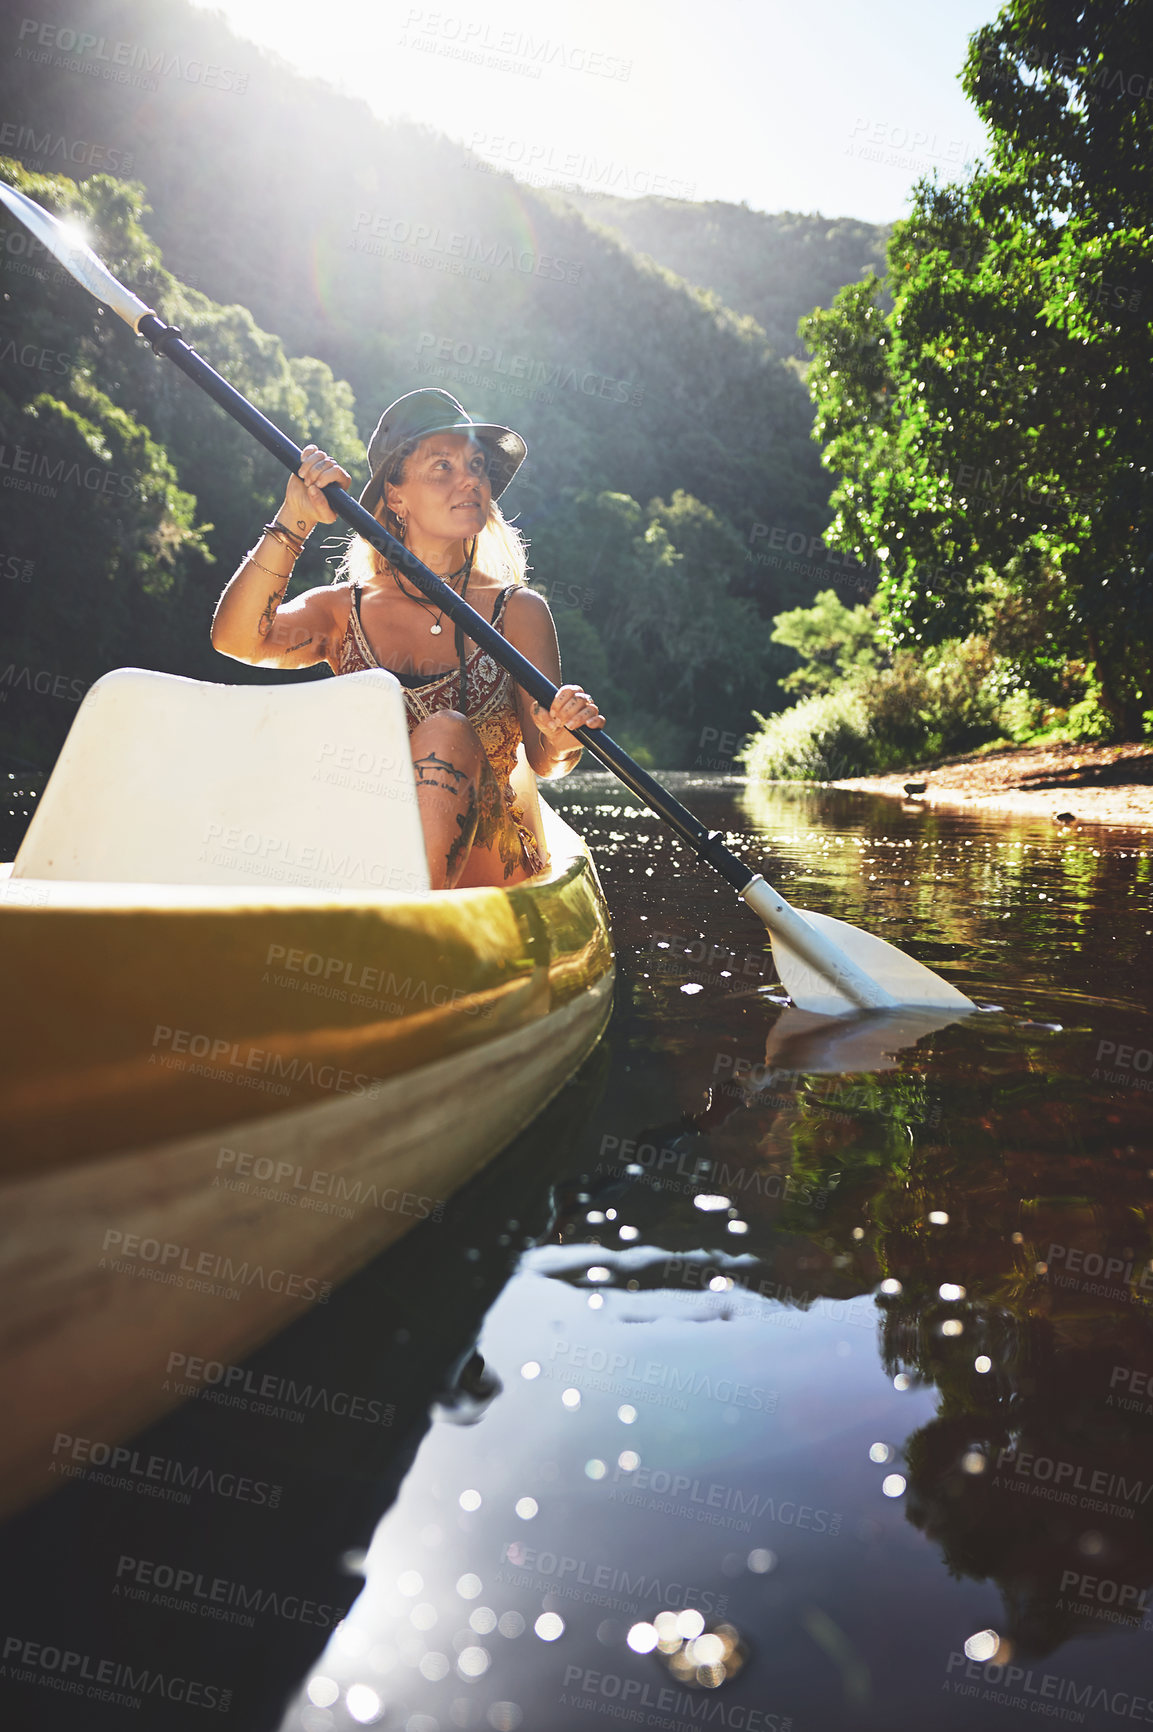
774 267
668 442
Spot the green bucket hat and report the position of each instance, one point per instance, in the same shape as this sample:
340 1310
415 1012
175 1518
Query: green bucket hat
420 413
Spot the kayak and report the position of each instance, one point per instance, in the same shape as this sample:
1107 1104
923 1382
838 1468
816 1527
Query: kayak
254 1048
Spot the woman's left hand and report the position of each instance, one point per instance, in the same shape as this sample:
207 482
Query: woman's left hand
571 708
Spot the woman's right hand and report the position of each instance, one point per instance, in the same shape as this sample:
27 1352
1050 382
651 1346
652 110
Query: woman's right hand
304 503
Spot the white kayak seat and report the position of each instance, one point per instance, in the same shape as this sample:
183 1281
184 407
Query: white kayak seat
175 781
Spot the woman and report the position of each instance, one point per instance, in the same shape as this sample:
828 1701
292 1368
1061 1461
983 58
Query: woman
436 476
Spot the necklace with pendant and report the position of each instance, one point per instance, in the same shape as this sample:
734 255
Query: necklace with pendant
464 570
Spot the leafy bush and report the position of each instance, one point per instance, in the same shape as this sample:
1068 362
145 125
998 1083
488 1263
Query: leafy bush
819 740
920 708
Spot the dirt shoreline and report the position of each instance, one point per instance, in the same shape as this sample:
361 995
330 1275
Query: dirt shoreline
1096 784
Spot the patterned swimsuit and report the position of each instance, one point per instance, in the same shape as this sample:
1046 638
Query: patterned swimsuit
491 708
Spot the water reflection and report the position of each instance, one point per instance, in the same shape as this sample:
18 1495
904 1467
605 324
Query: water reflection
839 1341
862 1284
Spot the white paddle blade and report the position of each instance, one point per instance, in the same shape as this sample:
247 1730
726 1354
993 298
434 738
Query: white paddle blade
68 246
834 969
906 982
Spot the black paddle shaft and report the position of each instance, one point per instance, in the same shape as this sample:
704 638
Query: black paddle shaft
166 340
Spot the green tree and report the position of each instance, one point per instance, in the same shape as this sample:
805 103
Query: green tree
835 642
113 457
995 423
678 651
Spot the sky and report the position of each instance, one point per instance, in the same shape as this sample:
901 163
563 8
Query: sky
835 106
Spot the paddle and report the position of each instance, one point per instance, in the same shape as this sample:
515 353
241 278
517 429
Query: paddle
826 965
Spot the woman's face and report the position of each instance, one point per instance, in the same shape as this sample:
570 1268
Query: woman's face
445 490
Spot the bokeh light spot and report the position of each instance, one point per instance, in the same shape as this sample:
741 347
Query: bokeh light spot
642 1638
983 1645
322 1690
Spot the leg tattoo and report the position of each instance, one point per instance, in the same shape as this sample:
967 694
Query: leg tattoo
494 829
434 772
466 823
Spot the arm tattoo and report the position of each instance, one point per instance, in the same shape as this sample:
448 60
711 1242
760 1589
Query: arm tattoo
264 623
293 648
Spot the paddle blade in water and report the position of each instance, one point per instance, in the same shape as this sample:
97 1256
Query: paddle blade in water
802 1042
905 981
67 245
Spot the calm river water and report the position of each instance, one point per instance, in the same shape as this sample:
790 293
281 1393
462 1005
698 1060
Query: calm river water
777 1378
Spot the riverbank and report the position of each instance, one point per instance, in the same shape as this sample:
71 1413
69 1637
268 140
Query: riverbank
1096 784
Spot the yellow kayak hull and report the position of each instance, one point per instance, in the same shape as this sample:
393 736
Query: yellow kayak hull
221 1103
